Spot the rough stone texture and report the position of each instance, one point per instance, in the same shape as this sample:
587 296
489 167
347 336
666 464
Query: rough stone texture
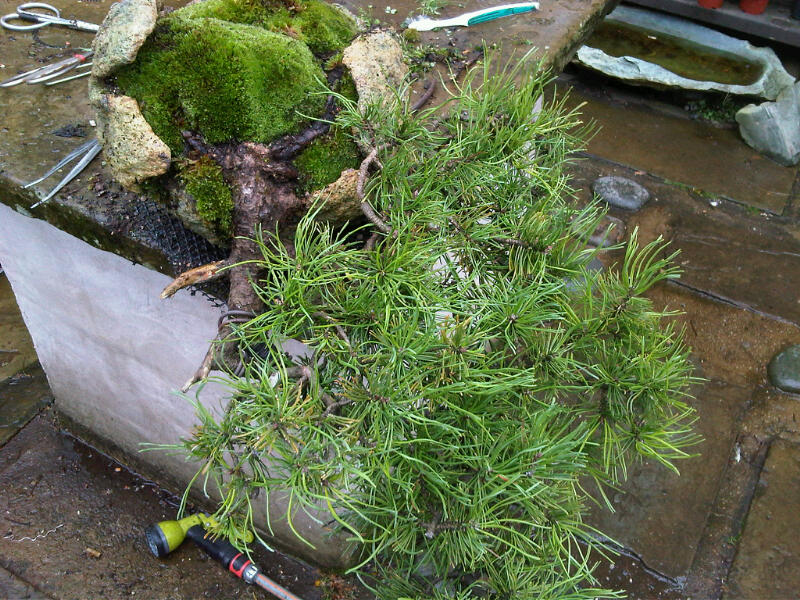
185 207
784 370
621 192
341 202
133 152
124 30
114 353
773 80
766 564
375 60
774 127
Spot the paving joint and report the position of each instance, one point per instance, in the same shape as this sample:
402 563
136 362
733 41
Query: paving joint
731 302
716 550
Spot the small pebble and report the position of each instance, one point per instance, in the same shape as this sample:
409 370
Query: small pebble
620 192
784 370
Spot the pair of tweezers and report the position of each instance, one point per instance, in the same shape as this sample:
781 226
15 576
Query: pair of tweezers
87 152
49 72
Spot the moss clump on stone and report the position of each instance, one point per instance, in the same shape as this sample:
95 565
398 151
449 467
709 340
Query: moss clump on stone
220 68
213 200
325 159
322 27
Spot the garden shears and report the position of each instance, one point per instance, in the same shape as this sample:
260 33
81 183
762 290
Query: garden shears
423 23
38 19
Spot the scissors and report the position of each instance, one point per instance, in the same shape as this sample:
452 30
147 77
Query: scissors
42 19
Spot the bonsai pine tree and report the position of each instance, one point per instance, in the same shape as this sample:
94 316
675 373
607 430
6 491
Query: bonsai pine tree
466 372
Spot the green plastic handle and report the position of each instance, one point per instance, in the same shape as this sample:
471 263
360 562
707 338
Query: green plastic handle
496 14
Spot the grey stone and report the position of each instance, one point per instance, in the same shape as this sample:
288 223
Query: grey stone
784 370
774 77
621 192
773 128
123 31
133 152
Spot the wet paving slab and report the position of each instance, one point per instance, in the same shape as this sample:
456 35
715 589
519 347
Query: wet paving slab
768 556
739 306
660 138
72 527
743 257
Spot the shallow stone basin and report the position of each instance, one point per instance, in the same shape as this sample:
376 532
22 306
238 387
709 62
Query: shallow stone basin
682 49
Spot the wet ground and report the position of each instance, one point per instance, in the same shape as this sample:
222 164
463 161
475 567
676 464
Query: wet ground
71 520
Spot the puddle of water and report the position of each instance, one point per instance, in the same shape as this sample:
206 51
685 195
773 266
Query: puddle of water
682 57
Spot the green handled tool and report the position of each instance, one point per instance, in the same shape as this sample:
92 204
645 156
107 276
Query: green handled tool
423 23
166 536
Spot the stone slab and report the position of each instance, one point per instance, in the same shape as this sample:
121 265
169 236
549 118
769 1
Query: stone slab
675 148
660 515
767 563
745 258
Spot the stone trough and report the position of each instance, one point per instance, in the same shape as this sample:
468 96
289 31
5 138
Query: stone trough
763 75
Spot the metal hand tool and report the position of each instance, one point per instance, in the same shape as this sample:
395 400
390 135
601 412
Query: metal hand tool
49 72
423 23
39 19
86 151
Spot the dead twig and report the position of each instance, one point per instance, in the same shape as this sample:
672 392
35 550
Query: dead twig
194 276
366 207
429 87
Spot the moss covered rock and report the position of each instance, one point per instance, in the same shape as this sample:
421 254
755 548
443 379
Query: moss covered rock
212 197
225 80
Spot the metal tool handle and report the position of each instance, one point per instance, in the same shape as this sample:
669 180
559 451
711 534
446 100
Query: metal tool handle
39 19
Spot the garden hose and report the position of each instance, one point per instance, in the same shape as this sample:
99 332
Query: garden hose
166 536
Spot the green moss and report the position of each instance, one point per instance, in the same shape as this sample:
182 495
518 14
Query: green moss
203 180
325 159
221 68
324 28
